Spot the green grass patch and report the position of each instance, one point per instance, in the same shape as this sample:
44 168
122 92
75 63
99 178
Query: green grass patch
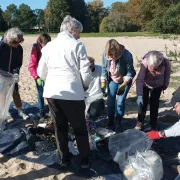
114 34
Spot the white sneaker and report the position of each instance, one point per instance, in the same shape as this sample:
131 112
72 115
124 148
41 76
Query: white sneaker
9 118
22 115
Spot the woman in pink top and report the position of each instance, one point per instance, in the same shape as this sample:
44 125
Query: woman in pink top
153 78
42 40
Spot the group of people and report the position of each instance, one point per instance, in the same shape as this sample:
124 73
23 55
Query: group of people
74 86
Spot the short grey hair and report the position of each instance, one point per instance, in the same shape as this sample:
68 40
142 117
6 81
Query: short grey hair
13 36
71 24
154 58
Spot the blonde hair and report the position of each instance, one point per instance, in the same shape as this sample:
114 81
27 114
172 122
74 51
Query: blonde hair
112 46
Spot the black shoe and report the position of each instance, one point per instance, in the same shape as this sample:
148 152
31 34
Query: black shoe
66 160
87 173
111 124
118 128
85 163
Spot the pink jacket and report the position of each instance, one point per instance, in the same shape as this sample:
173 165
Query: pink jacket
150 80
33 63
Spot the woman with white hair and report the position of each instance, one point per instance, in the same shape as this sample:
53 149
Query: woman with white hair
153 78
11 56
64 67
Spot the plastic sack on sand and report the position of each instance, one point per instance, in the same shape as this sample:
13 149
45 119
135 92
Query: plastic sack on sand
143 166
128 143
6 89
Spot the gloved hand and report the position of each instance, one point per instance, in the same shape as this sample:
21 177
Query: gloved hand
39 81
16 77
103 85
121 89
154 135
139 100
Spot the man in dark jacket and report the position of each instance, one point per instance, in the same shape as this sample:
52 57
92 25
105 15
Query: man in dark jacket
11 55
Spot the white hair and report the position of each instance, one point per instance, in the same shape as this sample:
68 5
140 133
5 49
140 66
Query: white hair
13 36
71 24
154 59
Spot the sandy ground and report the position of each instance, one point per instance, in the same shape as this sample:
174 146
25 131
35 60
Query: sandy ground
17 169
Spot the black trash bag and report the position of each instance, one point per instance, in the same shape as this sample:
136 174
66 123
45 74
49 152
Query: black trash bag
10 139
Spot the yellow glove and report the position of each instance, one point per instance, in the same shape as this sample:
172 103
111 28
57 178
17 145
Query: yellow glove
103 85
121 89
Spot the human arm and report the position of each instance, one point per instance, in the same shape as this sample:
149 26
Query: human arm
42 69
167 73
84 68
129 67
19 59
173 131
33 63
140 79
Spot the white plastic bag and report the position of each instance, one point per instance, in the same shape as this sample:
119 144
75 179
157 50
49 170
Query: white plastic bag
143 166
6 89
128 143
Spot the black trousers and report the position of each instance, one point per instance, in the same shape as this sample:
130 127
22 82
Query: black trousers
152 97
64 111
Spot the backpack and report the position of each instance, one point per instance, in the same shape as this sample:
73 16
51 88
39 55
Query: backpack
37 50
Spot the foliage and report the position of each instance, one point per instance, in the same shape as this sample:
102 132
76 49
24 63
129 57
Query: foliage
55 12
11 15
3 24
39 18
78 9
96 12
25 12
118 20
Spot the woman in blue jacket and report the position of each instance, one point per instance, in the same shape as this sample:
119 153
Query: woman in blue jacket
117 74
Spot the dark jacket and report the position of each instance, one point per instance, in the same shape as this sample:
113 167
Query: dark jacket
10 58
124 66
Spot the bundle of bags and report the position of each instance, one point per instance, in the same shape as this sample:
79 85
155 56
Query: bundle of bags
131 150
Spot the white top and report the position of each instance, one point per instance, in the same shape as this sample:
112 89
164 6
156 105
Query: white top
173 131
65 68
95 85
94 91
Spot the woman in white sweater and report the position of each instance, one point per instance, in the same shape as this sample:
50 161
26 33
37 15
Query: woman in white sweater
64 67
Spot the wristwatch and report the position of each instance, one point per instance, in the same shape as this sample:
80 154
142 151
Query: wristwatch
162 134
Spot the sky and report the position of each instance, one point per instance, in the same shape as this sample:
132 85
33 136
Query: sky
41 4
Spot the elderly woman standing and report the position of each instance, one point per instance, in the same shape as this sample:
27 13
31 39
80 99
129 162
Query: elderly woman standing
11 56
153 78
117 73
64 67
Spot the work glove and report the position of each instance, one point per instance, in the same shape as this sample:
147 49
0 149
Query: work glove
103 87
154 135
40 82
16 77
121 89
139 101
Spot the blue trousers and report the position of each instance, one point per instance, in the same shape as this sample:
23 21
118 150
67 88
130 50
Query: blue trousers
40 90
119 104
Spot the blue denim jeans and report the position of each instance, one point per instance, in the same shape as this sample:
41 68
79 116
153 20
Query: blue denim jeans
40 90
120 106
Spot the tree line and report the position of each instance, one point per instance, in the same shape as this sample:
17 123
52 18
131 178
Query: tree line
134 15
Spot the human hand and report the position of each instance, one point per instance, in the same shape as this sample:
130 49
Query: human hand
39 81
154 135
121 89
16 77
139 100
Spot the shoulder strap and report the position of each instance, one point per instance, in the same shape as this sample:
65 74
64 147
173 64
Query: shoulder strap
1 45
37 50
